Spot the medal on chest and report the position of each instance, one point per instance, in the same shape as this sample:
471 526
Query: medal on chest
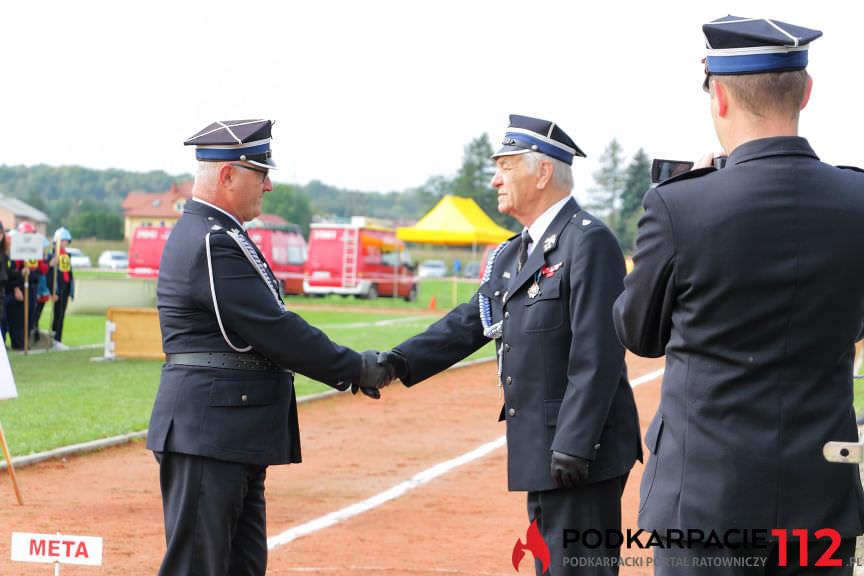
534 289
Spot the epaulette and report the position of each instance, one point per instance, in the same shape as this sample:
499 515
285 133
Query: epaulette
855 168
697 173
217 228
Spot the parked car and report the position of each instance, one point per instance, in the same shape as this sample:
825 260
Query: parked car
472 270
77 258
114 259
432 269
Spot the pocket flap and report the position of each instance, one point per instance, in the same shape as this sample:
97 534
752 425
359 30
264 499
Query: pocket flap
549 290
652 435
242 392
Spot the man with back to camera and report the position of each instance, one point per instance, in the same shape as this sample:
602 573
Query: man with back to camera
749 280
225 408
546 297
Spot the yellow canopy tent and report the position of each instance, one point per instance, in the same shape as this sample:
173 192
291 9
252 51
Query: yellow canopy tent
455 221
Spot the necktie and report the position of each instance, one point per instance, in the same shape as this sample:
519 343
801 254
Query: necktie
523 248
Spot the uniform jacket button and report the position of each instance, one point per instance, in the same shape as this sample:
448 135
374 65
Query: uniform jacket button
509 380
506 347
507 315
597 446
244 398
511 412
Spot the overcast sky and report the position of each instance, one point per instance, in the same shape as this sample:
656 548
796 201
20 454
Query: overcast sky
380 95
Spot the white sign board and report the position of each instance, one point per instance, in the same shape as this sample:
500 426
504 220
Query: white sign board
26 247
7 382
51 548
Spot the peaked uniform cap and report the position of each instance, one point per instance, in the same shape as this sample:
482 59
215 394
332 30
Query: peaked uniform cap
751 45
247 140
526 134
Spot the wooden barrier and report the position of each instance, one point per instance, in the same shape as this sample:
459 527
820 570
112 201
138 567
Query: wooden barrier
132 333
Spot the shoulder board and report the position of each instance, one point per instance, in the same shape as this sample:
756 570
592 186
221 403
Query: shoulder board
583 219
855 168
698 173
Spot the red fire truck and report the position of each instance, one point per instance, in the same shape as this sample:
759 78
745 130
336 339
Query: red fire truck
282 245
285 250
359 257
145 250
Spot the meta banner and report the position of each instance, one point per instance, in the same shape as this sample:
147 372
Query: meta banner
56 548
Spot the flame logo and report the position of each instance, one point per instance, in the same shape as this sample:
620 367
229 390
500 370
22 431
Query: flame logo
535 544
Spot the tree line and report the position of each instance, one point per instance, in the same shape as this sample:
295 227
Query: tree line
88 201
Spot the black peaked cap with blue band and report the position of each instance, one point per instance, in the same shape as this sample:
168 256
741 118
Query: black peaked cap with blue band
752 45
246 140
526 134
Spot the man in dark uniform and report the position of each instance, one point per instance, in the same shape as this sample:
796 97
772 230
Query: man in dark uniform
749 280
226 409
547 294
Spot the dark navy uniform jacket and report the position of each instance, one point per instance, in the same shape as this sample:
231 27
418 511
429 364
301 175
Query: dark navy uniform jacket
236 415
750 280
562 367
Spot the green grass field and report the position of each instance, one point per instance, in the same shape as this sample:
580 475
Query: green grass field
65 398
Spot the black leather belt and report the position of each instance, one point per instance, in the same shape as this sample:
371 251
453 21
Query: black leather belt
230 360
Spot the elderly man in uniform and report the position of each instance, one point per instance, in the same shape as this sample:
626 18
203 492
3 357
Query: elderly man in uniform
225 408
546 298
749 280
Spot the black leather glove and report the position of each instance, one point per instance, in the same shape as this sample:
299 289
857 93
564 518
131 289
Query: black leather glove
567 470
372 377
396 363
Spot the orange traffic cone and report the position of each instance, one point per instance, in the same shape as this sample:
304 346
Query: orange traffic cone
432 302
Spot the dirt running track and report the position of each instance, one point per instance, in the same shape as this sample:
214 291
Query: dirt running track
463 522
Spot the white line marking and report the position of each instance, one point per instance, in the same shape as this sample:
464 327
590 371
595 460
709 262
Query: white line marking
400 489
647 378
375 501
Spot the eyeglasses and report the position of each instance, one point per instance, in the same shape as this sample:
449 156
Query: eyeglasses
263 171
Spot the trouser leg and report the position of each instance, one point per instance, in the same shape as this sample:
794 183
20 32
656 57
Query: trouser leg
214 517
567 515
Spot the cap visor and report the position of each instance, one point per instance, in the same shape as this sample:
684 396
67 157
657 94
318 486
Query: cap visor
509 151
269 164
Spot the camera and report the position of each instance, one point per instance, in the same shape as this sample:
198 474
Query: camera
664 169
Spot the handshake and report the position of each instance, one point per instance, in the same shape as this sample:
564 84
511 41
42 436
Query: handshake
378 369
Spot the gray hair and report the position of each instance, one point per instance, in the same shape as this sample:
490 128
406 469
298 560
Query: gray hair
207 171
562 175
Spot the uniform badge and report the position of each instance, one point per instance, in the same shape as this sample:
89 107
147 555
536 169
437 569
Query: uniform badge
534 290
585 222
549 271
549 242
